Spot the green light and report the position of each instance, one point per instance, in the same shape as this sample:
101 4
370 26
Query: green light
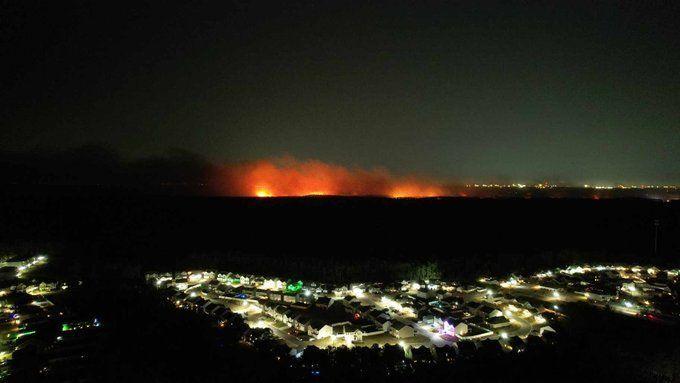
294 287
19 335
65 327
25 333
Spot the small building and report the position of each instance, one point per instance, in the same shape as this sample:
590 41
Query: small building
301 323
402 330
487 312
323 302
461 328
319 329
498 322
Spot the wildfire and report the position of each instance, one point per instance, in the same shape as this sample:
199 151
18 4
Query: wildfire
290 177
263 193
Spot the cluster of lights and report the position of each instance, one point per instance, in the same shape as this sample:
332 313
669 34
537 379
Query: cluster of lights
504 186
391 303
38 260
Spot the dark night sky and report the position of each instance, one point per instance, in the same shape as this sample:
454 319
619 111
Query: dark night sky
580 92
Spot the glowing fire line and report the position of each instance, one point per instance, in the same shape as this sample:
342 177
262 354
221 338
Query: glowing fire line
291 178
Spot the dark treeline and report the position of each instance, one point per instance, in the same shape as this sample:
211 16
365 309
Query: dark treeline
99 166
334 238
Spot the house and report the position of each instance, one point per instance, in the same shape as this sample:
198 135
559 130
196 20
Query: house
461 328
210 307
269 308
425 293
352 307
340 290
348 299
489 312
383 321
276 296
453 301
546 329
301 323
216 309
498 322
280 312
289 298
213 284
351 332
319 329
305 299
473 306
290 315
373 314
323 302
370 329
401 330
432 319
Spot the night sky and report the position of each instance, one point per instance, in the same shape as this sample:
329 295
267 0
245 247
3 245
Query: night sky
576 92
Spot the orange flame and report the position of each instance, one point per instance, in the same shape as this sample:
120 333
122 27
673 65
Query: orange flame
290 177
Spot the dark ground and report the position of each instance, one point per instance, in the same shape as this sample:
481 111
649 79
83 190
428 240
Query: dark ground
110 240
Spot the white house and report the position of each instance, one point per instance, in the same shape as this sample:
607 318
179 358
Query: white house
401 330
319 330
461 328
488 312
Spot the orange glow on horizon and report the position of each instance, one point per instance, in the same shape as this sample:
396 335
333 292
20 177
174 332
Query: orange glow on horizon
262 193
288 177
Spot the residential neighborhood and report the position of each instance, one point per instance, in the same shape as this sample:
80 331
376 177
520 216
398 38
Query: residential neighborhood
39 337
422 315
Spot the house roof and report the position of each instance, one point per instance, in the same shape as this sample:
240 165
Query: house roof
323 301
487 309
303 319
281 309
317 324
399 325
498 320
